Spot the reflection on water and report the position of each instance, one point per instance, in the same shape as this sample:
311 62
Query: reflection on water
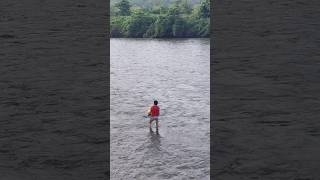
176 73
155 142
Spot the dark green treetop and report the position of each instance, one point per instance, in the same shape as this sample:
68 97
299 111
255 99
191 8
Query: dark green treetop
124 7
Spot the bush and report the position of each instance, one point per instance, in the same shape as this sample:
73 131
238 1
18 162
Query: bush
177 20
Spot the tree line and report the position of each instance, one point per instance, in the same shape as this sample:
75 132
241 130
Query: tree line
180 19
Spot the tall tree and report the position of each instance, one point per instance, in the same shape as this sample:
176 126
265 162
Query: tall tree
205 8
178 19
138 23
124 7
178 27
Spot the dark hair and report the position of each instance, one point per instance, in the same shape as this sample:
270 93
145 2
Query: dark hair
155 102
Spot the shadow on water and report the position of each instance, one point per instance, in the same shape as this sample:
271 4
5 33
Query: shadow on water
155 140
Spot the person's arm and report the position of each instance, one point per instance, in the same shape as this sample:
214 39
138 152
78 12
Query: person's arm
149 112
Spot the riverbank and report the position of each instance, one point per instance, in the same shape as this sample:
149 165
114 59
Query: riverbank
179 19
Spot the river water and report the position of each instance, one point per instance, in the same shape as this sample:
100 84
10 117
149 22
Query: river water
176 72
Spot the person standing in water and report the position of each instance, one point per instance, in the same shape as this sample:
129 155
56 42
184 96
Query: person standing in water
154 113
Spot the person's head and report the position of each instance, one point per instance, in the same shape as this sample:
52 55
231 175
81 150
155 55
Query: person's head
155 102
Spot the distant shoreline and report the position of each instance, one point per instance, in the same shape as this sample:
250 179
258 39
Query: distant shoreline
179 20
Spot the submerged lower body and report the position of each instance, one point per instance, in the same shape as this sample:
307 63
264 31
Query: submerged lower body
155 118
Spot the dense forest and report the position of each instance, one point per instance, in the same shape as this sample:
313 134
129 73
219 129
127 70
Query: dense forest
160 18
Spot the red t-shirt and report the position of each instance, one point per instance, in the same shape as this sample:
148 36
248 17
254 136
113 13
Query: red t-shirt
155 110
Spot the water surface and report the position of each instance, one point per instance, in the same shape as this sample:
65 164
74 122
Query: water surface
175 72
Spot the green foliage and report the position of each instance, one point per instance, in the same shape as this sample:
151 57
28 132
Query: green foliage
124 7
205 9
178 20
179 27
138 24
163 26
118 24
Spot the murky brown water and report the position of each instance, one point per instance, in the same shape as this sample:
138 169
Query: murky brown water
176 73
